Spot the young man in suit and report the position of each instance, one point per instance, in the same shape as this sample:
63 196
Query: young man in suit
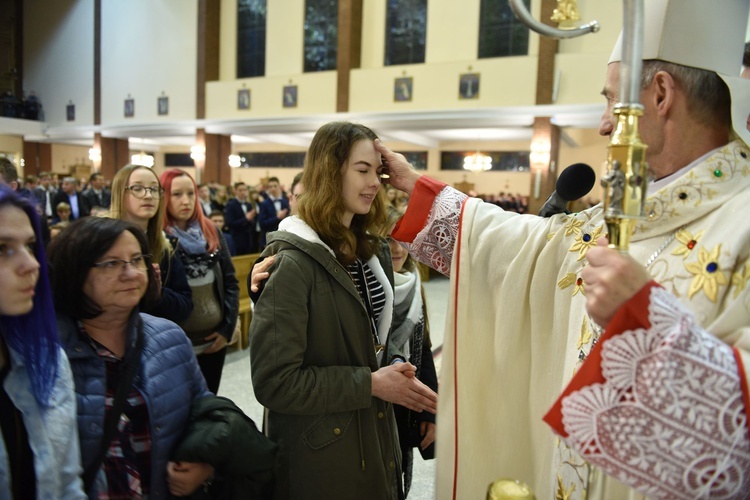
240 218
79 205
204 198
273 209
97 194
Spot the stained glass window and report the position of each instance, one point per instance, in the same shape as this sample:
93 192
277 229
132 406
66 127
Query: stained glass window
264 160
321 34
405 31
500 32
418 159
251 38
178 160
508 161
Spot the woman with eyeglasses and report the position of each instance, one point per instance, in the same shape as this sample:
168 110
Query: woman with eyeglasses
135 374
210 273
39 454
137 197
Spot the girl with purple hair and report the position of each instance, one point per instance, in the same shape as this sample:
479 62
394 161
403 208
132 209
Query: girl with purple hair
39 451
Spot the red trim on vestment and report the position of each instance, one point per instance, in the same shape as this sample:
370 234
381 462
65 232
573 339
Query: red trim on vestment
420 202
743 386
632 315
456 256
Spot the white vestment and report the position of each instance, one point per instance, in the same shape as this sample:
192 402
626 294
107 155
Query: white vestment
517 327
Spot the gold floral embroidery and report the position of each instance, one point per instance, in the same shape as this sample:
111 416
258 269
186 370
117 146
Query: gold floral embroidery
573 226
562 493
688 242
586 334
571 279
568 280
585 241
706 274
739 280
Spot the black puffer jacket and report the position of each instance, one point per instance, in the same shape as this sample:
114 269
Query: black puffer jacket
220 434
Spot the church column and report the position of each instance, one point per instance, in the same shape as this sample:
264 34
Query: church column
37 157
216 162
545 141
115 154
545 148
209 17
349 49
208 148
97 67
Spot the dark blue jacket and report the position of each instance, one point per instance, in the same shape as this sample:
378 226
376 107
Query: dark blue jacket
242 230
168 378
268 220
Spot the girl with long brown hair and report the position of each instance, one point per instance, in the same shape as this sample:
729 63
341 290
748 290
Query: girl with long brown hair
321 358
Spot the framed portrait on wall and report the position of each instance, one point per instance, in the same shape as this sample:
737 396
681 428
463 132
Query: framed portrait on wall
70 112
129 107
290 96
243 99
468 86
403 88
162 105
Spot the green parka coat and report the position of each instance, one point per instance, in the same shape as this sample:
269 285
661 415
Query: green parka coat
312 355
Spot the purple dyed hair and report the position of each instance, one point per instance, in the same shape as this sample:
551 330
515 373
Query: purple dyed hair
34 334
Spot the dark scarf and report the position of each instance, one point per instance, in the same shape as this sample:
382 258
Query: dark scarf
192 248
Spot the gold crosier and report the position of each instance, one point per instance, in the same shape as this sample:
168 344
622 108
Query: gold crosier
625 180
626 177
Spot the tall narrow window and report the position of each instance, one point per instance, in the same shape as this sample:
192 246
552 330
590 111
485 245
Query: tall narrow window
321 34
251 38
405 31
500 33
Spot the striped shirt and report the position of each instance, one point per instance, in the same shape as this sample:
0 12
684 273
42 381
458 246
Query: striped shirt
374 287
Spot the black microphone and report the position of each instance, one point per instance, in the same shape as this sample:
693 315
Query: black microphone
574 182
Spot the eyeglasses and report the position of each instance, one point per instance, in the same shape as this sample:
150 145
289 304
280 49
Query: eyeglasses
116 266
140 191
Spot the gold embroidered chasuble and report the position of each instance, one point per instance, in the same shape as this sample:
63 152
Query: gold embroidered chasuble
517 329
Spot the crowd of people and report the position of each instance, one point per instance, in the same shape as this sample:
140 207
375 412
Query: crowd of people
101 385
132 309
111 344
64 198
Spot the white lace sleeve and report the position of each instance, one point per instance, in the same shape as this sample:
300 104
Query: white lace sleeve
435 242
669 419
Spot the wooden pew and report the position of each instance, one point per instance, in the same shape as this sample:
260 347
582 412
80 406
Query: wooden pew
243 265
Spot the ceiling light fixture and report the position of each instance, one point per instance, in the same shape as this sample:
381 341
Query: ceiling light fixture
477 162
142 159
